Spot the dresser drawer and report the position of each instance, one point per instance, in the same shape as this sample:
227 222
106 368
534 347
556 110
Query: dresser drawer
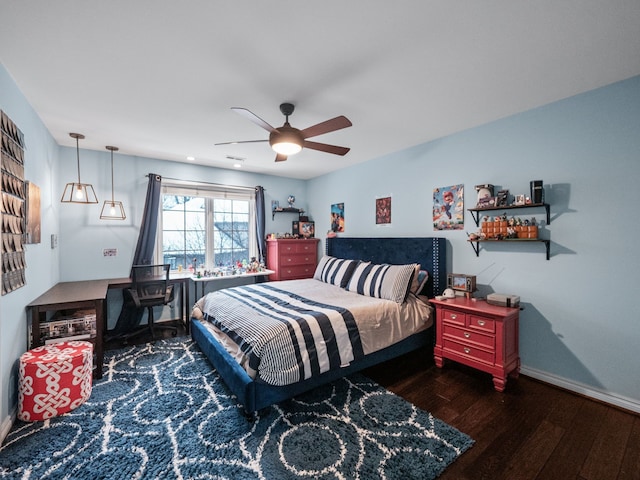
297 247
297 259
296 271
453 316
485 324
473 353
468 336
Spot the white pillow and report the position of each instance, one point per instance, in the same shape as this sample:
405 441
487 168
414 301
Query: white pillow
390 282
336 271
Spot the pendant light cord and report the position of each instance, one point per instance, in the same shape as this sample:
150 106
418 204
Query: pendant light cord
78 158
112 201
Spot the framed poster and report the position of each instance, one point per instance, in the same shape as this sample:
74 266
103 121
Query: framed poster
383 210
337 217
448 208
307 229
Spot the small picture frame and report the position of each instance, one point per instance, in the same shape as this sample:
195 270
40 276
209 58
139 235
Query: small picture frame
520 200
295 228
307 229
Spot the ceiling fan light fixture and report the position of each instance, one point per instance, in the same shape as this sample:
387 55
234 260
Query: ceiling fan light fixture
286 140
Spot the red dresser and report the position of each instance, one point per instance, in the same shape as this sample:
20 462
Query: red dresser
292 259
479 335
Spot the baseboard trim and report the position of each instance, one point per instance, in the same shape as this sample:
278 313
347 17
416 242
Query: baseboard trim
6 425
582 389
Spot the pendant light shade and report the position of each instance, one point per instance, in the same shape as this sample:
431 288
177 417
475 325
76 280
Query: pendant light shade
78 192
111 209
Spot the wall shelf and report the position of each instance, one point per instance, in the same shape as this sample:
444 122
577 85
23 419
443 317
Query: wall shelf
475 244
475 212
299 211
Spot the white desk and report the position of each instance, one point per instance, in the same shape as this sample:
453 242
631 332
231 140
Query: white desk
204 280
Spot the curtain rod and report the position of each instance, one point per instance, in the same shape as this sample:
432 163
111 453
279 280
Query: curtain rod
238 187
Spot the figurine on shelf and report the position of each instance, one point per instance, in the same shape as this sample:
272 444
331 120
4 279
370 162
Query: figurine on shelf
473 237
291 200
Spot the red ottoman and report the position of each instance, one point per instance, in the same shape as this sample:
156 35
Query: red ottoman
54 379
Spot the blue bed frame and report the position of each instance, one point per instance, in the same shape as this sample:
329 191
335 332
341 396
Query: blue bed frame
255 395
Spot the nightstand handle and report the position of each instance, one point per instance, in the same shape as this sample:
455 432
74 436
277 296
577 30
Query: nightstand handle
467 335
481 323
467 350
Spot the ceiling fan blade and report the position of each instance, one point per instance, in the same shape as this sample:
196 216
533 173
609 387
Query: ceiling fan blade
326 127
323 147
280 157
254 118
240 141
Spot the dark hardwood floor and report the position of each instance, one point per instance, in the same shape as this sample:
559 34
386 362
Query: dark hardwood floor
531 431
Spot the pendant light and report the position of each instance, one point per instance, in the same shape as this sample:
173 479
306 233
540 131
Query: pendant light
112 210
78 192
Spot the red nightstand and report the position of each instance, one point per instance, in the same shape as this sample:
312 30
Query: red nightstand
479 335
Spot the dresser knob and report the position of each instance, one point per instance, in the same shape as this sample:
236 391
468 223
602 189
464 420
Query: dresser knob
467 335
467 350
453 316
481 323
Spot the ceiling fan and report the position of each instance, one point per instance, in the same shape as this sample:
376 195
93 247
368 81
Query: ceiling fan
287 140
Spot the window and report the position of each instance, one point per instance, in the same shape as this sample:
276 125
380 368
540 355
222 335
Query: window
208 228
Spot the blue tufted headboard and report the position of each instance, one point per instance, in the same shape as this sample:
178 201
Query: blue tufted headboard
429 252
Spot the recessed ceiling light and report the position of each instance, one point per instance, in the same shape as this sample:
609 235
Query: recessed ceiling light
191 158
237 161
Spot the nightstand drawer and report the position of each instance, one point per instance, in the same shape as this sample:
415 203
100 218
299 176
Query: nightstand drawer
485 324
473 353
468 336
453 316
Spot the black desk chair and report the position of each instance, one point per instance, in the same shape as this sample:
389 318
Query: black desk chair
150 288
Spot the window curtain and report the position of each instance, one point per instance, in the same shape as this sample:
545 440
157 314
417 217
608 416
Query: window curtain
130 316
149 225
260 224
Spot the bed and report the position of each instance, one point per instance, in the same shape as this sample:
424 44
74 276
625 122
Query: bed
237 370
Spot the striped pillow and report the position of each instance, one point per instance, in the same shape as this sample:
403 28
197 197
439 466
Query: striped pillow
335 271
390 282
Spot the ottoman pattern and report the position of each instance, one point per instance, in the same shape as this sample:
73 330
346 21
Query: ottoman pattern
54 379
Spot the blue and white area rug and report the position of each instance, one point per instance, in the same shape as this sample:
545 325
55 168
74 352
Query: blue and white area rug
161 411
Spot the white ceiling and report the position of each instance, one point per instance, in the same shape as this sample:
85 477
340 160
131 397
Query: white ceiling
157 78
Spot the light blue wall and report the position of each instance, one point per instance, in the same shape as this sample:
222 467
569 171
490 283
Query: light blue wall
41 156
580 326
84 236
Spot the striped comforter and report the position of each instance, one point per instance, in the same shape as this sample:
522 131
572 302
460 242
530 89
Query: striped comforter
293 330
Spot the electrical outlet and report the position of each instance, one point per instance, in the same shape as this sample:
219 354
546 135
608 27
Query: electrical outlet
54 241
